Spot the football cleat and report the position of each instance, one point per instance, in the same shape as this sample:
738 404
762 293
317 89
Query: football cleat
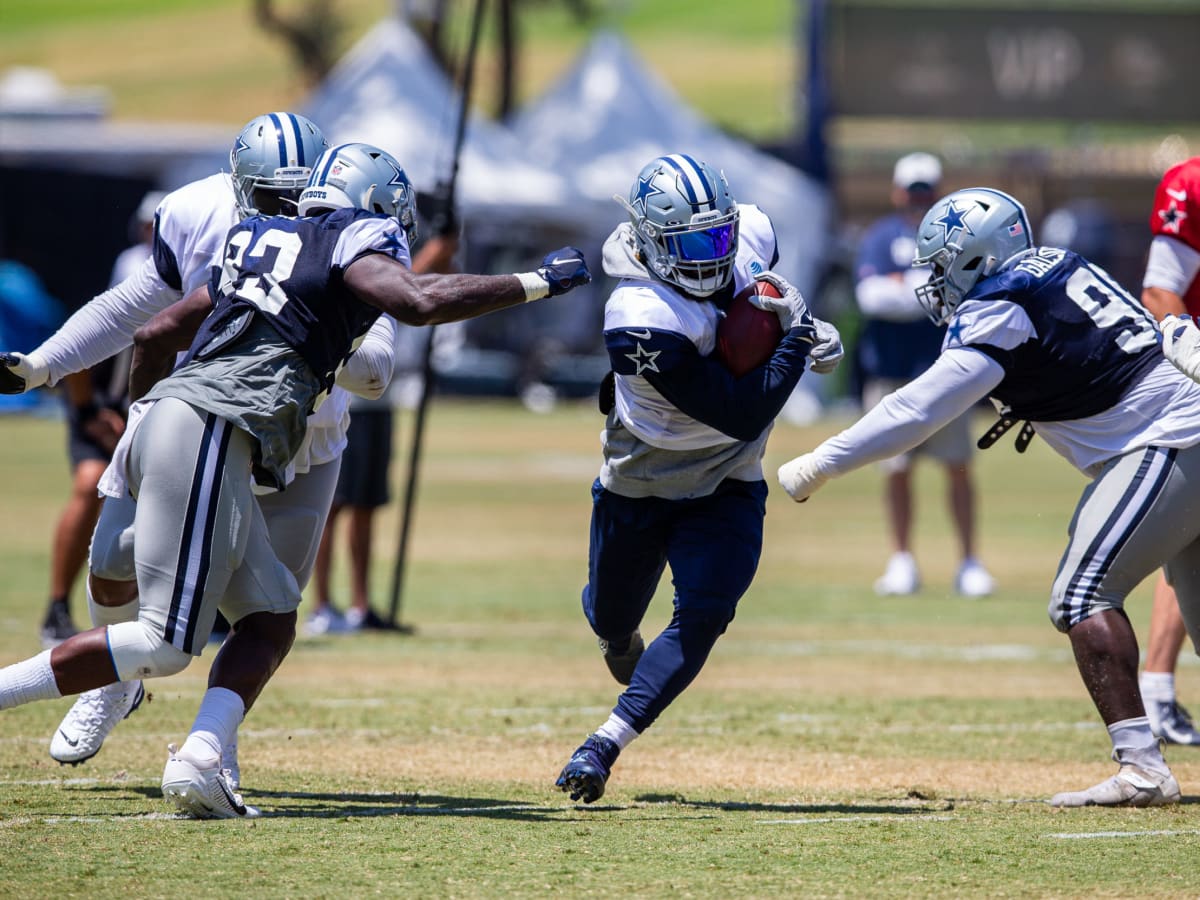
586 773
92 718
1172 723
202 791
1131 786
57 626
622 663
900 578
973 580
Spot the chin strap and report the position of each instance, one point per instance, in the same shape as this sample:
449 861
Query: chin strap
1002 426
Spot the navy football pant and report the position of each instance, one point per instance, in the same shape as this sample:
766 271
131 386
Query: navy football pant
712 545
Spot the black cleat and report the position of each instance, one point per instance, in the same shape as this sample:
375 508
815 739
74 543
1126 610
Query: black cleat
586 774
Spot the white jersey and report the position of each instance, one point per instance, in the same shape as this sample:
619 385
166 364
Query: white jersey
191 225
640 301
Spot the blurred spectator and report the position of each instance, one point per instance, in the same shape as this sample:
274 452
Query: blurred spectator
897 343
28 315
362 488
96 402
1171 286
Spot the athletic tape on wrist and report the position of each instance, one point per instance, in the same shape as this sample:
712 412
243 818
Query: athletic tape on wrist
536 287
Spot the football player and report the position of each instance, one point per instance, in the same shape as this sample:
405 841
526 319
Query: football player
1054 341
681 483
1171 287
270 161
293 297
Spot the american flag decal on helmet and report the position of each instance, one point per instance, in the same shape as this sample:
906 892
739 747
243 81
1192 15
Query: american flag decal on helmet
1015 229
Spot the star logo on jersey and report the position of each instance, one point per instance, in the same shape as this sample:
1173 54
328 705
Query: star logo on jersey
953 221
392 244
644 190
1172 218
644 359
954 332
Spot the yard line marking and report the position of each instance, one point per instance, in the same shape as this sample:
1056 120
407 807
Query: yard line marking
828 819
61 782
1089 835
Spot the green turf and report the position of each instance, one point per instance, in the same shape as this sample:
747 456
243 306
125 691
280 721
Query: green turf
836 744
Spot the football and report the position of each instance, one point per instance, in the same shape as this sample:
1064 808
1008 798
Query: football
747 336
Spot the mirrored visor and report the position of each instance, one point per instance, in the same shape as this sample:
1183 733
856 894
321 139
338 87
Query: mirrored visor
704 245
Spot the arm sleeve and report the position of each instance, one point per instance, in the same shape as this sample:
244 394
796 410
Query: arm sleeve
959 378
1172 265
368 371
105 325
891 298
701 386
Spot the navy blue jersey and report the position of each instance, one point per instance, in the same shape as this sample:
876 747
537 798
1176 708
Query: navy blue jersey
289 272
1070 339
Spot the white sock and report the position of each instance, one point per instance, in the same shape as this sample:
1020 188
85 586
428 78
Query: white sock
111 615
221 712
1136 744
29 680
1157 686
618 731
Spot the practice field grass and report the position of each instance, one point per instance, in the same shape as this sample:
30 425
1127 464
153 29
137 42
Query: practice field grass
837 744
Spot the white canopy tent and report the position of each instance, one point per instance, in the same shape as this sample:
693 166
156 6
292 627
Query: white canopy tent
610 115
389 91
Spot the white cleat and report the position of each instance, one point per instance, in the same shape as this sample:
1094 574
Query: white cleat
1131 786
973 580
900 578
201 791
92 718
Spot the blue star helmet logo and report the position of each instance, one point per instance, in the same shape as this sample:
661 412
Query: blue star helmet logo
954 220
239 147
644 189
399 179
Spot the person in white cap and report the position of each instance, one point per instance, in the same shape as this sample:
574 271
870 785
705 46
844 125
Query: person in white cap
897 343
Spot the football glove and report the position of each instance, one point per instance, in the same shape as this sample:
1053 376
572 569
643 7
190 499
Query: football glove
801 478
827 350
20 373
1181 344
789 306
564 269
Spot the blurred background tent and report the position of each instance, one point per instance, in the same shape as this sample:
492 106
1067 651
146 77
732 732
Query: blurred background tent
610 114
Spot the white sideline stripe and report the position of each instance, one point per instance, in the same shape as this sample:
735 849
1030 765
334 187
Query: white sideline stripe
825 820
59 782
1090 835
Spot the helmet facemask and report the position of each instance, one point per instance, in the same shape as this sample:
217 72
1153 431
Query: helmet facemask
685 223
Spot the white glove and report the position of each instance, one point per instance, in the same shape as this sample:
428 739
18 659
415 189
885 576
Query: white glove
789 306
21 372
801 478
1181 344
827 350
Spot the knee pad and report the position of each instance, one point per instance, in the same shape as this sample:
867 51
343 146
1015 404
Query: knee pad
138 652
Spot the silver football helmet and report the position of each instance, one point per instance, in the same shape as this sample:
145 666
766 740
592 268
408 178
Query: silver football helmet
271 161
360 176
964 237
685 222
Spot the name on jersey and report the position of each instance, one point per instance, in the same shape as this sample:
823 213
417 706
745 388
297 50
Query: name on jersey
1038 264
